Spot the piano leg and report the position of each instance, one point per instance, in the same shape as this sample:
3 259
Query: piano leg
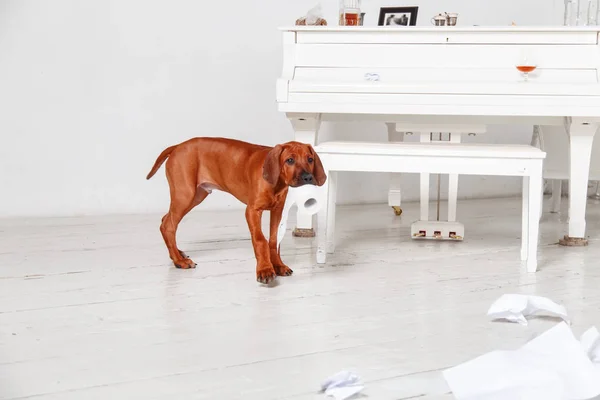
581 136
306 130
425 137
395 193
537 141
556 195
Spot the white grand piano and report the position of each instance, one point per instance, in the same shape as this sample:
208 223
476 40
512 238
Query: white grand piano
447 75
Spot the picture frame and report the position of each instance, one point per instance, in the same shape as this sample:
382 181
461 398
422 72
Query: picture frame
398 16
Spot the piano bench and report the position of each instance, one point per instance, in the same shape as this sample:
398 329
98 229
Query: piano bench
439 157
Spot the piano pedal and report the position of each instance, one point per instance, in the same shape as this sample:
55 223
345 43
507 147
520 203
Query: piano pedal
397 210
437 230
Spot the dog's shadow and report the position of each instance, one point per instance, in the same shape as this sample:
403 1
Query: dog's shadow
273 284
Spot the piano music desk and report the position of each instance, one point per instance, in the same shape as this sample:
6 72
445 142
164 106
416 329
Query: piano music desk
447 75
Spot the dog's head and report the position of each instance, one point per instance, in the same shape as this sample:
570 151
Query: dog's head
296 164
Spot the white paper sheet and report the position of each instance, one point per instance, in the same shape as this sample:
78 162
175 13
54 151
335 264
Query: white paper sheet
309 198
342 385
516 307
553 366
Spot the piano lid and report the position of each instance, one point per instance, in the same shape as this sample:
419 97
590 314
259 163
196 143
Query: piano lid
456 34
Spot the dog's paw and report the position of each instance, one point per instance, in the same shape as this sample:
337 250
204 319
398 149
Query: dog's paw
265 275
283 270
185 263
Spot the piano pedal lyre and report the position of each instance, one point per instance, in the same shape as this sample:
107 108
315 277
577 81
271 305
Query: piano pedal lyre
397 210
437 230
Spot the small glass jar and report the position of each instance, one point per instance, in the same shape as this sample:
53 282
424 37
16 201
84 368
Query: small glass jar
350 12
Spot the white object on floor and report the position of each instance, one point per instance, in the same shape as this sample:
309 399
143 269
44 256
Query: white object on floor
590 342
308 199
515 307
342 385
553 366
468 159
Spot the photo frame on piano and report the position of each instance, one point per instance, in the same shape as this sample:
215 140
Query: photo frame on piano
398 16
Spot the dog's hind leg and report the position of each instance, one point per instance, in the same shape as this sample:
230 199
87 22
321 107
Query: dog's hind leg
184 197
201 194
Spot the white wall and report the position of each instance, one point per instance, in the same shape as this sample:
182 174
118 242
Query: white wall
92 91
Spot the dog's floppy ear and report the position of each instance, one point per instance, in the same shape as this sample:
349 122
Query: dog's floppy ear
318 171
272 165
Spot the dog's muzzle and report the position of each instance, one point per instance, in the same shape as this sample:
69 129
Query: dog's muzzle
306 179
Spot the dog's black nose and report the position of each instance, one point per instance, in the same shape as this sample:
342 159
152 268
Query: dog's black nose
306 177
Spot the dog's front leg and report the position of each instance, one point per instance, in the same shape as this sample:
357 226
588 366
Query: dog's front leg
280 268
264 268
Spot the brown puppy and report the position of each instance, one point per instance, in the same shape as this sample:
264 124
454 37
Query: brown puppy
258 176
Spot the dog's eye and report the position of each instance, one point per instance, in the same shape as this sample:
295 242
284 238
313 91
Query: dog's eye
290 161
310 160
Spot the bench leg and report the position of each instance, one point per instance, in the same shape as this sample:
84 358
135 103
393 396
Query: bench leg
533 225
453 184
541 208
331 207
556 195
322 220
525 218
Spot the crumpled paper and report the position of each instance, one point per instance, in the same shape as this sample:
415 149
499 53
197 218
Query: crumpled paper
342 385
553 366
309 198
516 307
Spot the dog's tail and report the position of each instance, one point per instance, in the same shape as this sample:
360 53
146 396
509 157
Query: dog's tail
160 160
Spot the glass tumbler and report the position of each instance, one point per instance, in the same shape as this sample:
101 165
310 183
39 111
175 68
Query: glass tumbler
593 6
350 12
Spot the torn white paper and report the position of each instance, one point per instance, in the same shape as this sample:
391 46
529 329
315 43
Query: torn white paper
515 307
553 366
314 14
308 198
342 385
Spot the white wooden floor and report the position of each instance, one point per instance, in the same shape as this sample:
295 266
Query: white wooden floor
91 308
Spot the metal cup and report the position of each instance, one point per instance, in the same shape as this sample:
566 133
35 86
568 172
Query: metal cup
451 19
